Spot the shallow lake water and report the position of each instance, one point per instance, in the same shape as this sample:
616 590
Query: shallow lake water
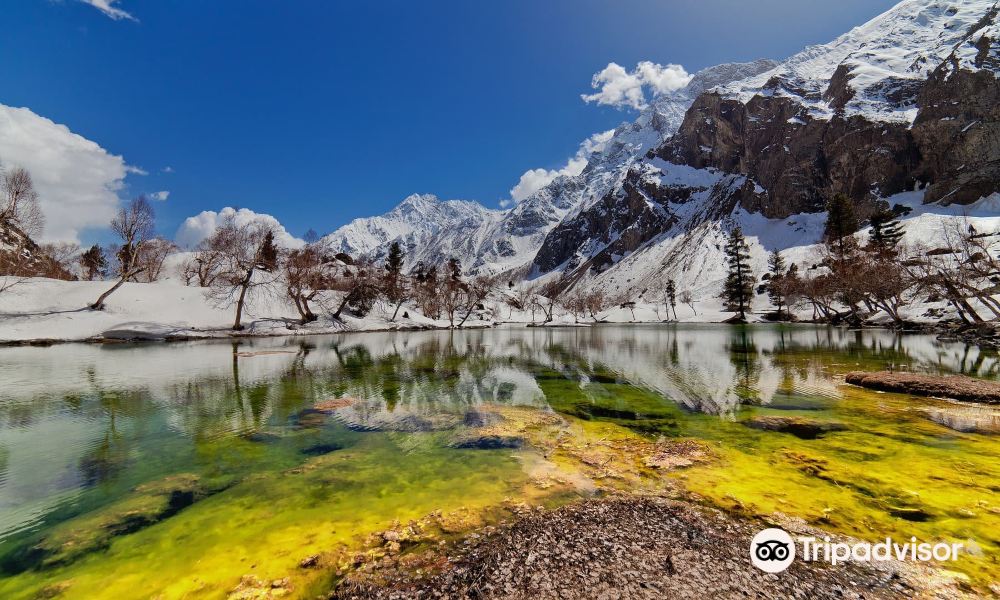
172 470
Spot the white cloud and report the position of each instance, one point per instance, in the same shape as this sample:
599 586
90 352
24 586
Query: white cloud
617 87
195 229
535 179
134 170
161 196
76 179
168 169
108 8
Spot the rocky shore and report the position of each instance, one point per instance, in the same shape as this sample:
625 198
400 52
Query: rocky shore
626 547
956 387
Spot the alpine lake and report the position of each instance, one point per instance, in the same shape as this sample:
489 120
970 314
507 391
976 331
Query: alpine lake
174 470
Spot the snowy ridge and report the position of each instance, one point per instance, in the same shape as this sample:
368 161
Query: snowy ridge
494 241
884 60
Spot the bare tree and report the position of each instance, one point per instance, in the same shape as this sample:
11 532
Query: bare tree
204 266
451 292
426 290
595 303
687 297
250 262
573 303
475 292
151 258
545 297
61 257
19 201
308 272
134 227
363 290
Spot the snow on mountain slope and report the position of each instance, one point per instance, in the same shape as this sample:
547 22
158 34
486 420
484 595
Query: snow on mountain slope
429 230
883 61
494 241
886 108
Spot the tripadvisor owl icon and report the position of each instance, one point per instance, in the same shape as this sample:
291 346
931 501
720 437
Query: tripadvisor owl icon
772 550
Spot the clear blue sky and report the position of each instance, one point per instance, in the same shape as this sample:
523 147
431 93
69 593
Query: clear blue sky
319 111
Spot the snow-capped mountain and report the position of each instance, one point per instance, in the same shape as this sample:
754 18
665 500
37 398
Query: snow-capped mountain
496 241
905 102
429 229
903 109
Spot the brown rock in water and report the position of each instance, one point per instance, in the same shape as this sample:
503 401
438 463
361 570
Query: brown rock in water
805 429
958 387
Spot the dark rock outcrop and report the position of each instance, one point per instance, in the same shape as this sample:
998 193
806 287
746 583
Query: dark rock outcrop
805 429
799 161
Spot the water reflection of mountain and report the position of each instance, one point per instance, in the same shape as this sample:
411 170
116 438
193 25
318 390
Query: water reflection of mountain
120 412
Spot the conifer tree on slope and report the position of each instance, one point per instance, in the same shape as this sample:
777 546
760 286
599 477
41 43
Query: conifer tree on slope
886 230
738 289
840 222
395 285
775 285
672 297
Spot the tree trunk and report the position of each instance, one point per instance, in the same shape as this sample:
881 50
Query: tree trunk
242 300
395 312
959 299
99 305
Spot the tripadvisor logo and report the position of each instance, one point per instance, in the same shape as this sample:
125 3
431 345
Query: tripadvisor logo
773 550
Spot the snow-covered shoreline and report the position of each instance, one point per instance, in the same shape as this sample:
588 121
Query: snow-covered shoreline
42 311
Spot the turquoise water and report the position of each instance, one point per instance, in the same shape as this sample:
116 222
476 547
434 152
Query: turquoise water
174 469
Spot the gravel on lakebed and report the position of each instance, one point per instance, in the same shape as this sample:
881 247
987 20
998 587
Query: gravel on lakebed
628 547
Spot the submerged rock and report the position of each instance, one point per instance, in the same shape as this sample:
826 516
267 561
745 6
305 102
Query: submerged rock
481 418
147 505
320 449
405 423
958 387
805 429
966 419
488 442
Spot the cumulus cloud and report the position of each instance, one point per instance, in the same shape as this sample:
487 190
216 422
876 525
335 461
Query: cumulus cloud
76 179
134 170
195 229
161 196
108 8
620 88
535 179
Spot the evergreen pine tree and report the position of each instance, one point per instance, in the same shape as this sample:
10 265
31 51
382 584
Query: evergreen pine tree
672 297
395 289
268 254
775 291
840 221
886 230
738 290
94 263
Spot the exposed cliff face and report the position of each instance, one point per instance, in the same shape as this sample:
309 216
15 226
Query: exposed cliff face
797 161
958 127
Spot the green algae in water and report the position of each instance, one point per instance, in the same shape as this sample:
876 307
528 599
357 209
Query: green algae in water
175 470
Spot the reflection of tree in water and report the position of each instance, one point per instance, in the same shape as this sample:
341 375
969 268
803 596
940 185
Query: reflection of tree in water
106 460
4 462
743 356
